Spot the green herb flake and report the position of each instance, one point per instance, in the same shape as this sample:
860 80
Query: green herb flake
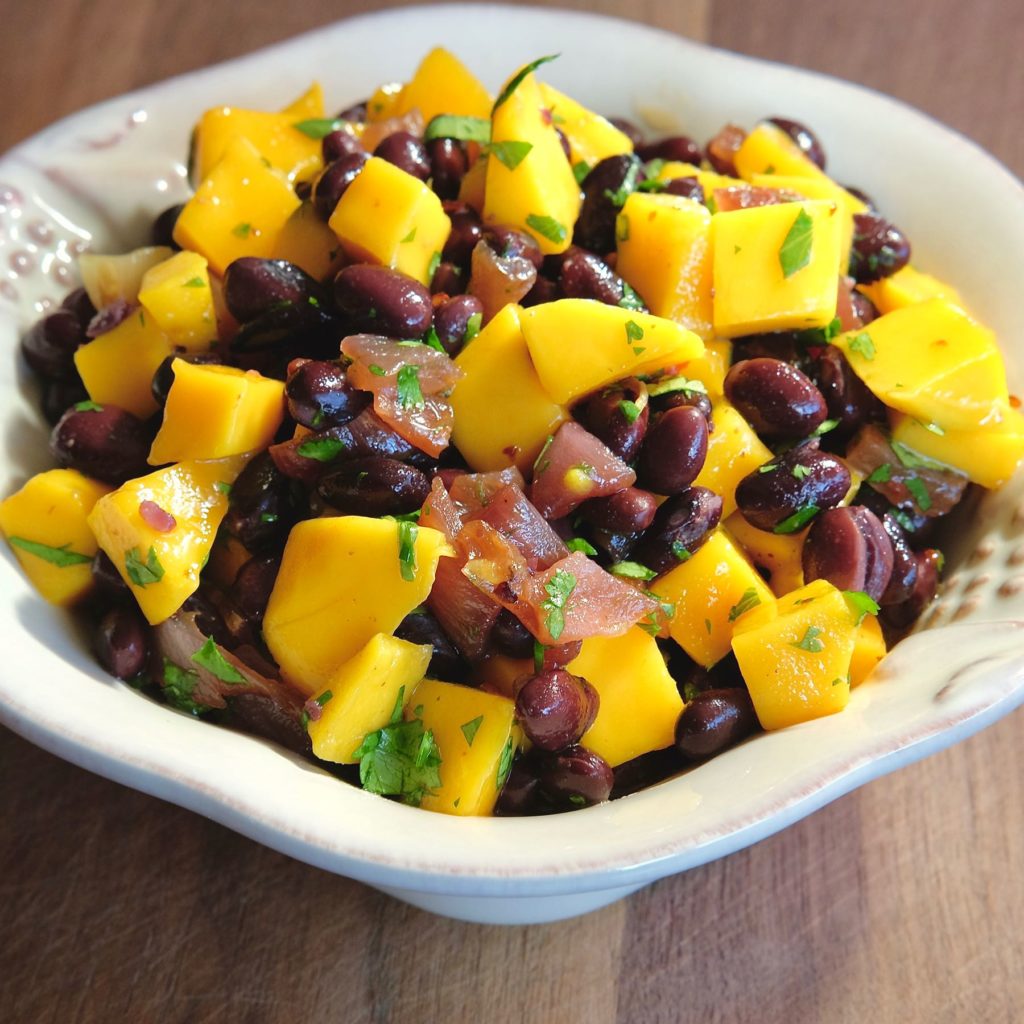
431 340
377 371
516 80
268 517
707 626
469 729
318 127
795 252
798 520
505 763
673 384
824 427
407 533
579 544
881 475
194 282
435 262
241 230
632 571
800 472
809 641
88 406
411 237
634 332
454 126
749 599
322 449
409 394
863 604
919 492
863 345
630 410
630 299
538 656
209 657
142 574
62 557
559 589
768 467
621 228
402 760
580 170
577 800
652 186
473 325
542 463
550 228
932 428
912 460
511 152
690 691
179 687
628 186
680 551
736 250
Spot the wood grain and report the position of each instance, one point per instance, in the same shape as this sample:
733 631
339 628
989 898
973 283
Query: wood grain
899 902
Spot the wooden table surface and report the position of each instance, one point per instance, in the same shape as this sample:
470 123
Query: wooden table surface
899 902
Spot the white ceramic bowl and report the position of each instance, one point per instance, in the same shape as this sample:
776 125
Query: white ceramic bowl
99 176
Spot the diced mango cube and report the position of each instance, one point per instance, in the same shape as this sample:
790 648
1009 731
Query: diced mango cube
769 150
794 654
933 362
117 367
176 294
499 674
341 581
227 556
474 183
666 257
709 180
775 267
362 695
710 590
907 287
442 84
476 735
591 137
161 562
238 209
711 367
107 278
989 455
216 411
734 450
530 184
502 413
45 524
868 650
383 102
639 700
579 345
310 105
779 554
388 216
309 243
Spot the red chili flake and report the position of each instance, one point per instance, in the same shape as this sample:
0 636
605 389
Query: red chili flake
512 451
313 709
1014 402
940 342
546 116
154 516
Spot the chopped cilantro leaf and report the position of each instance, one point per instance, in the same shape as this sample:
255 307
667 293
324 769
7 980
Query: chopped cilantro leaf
472 328
798 520
628 186
511 152
453 126
143 573
680 551
800 471
241 230
400 760
547 226
748 600
469 729
580 170
431 340
538 656
411 237
317 127
809 641
634 332
671 384
863 345
795 252
881 475
409 394
88 406
863 604
630 410
632 571
516 80
559 589
209 657
61 557
505 763
179 687
912 460
630 299
824 427
622 228
407 533
322 449
435 262
194 282
579 544
919 492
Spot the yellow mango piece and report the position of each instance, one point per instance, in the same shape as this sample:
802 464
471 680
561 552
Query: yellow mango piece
216 411
117 367
794 654
227 556
734 450
591 137
442 84
988 455
238 209
710 368
709 180
710 590
476 735
384 102
273 135
499 674
309 243
503 415
579 345
932 362
666 256
820 188
176 294
340 583
160 566
308 106
363 694
532 189
768 150
388 216
640 702
45 524
868 650
474 183
109 278
907 287
779 554
752 292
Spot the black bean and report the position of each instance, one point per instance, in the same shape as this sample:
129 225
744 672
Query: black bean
106 443
674 399
863 308
559 655
303 189
786 493
162 232
673 451
564 140
543 290
121 641
164 376
261 507
252 585
448 279
721 150
334 179
337 144
467 229
379 300
644 771
509 637
576 777
451 321
680 148
320 396
583 275
595 226
860 194
850 548
519 794
680 527
254 287
406 152
374 486
109 583
847 397
420 627
803 137
630 130
921 594
80 304
879 248
630 510
356 112
448 166
776 399
59 395
49 346
688 188
713 721
904 565
556 708
511 243
618 415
